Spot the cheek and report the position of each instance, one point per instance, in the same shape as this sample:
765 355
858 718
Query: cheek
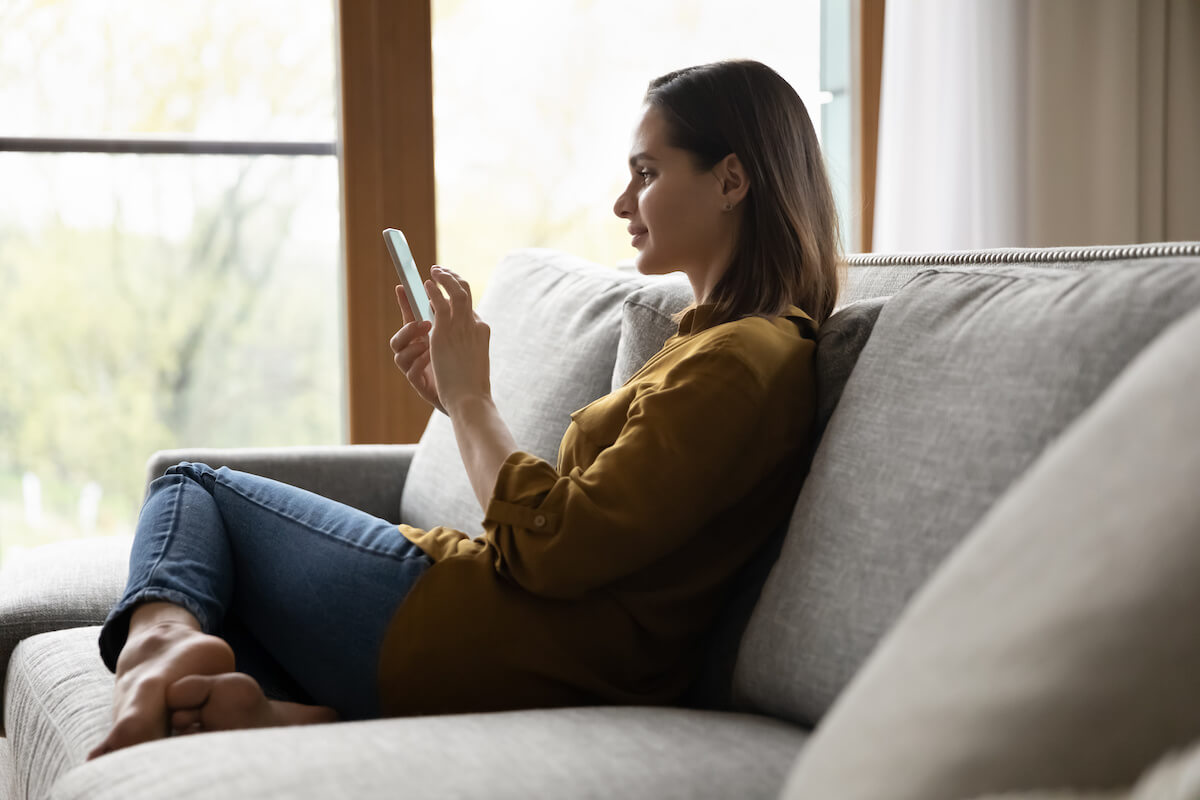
672 212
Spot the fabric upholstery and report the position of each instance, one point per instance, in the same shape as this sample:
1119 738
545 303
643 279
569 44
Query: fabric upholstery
865 281
1175 777
840 340
367 477
555 320
8 776
59 585
646 323
598 752
1057 647
966 377
59 700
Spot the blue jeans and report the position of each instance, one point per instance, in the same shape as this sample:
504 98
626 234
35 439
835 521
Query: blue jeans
301 586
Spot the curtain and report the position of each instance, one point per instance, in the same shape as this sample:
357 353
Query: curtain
1019 123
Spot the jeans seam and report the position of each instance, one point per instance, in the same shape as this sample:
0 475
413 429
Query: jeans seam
162 553
312 528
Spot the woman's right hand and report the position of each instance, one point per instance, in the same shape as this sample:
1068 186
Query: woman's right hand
410 351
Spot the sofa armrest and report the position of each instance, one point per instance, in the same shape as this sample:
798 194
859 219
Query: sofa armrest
368 477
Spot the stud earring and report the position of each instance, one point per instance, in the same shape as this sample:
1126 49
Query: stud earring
729 206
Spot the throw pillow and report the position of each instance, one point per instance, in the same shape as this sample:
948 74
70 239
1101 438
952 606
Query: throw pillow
555 321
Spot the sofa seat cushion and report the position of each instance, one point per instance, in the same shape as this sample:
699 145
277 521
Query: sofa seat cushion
60 694
1057 647
59 585
965 379
58 701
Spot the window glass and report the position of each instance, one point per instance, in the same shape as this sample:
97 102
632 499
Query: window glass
535 103
150 301
218 69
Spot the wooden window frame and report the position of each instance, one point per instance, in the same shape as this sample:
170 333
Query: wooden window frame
386 119
866 52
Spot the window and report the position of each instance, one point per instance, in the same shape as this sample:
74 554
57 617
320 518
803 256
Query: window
169 246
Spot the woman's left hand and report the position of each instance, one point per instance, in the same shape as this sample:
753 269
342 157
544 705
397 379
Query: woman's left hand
458 342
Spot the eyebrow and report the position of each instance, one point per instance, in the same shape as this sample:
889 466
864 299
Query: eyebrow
633 159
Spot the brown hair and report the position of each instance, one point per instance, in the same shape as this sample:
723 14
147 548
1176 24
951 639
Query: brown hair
789 247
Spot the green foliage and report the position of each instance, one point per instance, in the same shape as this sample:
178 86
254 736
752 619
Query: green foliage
156 302
116 344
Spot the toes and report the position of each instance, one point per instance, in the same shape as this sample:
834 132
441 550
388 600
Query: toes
238 691
184 720
189 692
236 701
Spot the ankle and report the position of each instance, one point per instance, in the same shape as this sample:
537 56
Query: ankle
155 613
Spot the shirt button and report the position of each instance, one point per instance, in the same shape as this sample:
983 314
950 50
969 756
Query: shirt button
540 521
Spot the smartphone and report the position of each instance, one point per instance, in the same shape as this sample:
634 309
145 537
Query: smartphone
406 268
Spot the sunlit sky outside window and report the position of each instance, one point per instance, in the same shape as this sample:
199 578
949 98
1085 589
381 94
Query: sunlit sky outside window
150 301
535 104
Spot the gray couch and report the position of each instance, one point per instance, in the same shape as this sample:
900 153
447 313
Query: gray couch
984 587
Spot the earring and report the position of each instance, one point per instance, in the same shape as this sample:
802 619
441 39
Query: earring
729 206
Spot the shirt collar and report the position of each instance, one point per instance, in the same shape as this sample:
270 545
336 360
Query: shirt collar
697 317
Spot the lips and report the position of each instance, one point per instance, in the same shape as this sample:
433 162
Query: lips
638 234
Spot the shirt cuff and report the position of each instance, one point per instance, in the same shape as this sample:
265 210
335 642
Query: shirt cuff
519 497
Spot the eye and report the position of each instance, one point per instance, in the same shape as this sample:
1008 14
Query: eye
645 174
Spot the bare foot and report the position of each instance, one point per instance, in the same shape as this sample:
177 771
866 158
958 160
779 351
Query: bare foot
154 657
234 701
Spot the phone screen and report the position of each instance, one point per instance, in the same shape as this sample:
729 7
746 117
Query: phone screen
406 268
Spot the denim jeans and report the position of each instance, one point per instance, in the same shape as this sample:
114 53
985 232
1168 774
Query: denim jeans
302 587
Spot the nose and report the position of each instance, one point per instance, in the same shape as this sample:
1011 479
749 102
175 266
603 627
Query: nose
623 208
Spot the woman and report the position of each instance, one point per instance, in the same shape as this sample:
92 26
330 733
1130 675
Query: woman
590 586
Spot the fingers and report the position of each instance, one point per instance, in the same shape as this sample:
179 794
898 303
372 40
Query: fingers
458 291
413 357
406 349
456 283
405 308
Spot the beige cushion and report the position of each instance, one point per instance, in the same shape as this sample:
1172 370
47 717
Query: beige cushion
1057 647
1175 777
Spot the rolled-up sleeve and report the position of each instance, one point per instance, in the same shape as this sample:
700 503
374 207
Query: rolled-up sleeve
689 449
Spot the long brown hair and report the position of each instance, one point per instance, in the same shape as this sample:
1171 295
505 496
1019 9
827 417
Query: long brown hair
789 247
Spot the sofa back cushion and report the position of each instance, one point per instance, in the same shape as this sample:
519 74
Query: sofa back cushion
555 321
647 321
966 377
1057 646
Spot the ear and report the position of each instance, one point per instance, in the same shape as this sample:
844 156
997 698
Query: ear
733 179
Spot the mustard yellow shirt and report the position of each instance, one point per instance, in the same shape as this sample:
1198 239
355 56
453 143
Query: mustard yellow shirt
596 577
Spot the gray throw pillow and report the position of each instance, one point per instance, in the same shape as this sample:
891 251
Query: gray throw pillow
647 322
965 379
839 342
555 322
1057 647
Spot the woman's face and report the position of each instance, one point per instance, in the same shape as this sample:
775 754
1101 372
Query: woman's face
676 211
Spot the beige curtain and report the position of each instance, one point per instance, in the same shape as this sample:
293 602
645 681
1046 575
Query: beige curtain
1021 123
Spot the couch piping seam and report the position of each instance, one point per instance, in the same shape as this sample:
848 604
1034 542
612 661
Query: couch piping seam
1027 255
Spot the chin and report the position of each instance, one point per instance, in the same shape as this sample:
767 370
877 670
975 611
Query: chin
647 265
